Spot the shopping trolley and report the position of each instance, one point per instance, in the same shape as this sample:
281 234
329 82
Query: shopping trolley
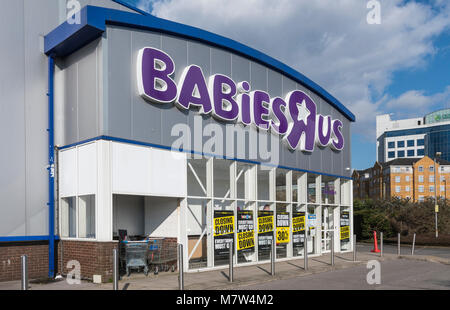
136 253
162 255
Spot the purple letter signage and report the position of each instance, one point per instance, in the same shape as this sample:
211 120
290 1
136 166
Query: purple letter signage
294 118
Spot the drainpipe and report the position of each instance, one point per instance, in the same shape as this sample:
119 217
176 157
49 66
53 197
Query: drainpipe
51 170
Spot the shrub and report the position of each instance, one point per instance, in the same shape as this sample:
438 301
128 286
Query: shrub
399 216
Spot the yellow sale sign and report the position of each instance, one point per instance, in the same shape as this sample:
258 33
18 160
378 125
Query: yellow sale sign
345 232
245 240
282 235
223 225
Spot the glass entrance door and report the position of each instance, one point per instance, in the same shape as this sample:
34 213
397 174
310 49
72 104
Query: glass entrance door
327 227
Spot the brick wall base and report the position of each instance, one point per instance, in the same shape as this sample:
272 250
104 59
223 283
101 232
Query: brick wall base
95 258
10 264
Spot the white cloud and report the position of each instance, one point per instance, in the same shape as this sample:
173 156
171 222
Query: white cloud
415 103
330 42
145 5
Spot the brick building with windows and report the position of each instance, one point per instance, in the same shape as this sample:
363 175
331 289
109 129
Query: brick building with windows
409 178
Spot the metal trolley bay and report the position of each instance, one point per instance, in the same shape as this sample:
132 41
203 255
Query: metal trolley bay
162 255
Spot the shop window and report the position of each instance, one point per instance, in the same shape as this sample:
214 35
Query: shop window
281 185
311 229
298 229
196 229
196 178
222 179
345 192
265 230
68 217
223 229
344 229
328 190
282 234
312 188
297 187
245 181
263 182
86 216
245 232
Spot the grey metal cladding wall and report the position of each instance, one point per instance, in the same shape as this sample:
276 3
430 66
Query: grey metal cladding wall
23 117
80 110
131 117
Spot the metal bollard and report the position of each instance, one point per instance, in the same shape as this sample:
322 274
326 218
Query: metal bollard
115 270
354 248
398 244
272 257
230 272
305 253
24 263
381 244
413 244
332 248
180 268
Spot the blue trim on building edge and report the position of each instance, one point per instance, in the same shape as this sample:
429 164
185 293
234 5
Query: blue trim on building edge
131 7
68 38
168 148
26 238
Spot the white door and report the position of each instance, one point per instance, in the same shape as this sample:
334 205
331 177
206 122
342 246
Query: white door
327 228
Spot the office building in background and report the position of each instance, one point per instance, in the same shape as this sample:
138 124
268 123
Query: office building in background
414 137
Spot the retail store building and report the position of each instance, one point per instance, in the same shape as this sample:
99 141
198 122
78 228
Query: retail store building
164 130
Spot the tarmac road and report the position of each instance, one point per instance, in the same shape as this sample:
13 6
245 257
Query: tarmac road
399 274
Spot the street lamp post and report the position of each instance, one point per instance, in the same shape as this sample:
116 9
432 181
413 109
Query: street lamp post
435 195
445 190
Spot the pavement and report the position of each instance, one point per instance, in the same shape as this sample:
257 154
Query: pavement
287 273
396 274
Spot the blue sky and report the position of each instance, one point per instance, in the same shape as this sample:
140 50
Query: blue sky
400 66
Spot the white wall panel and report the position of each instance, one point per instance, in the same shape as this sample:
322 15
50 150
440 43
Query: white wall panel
87 169
68 172
161 217
168 173
130 169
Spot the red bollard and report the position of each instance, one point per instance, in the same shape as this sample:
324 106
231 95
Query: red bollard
375 243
